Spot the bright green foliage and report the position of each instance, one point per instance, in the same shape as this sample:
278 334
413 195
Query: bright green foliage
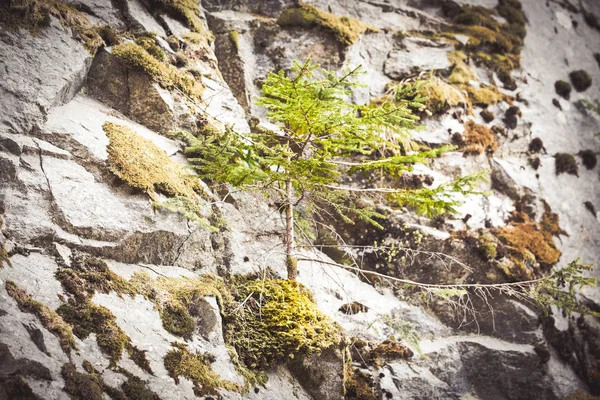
560 287
319 129
277 321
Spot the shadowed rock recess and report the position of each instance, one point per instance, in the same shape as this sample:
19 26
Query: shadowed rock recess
124 276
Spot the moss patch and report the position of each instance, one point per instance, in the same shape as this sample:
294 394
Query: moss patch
563 89
50 319
497 45
165 75
278 321
346 30
179 361
148 43
529 245
34 15
536 145
588 158
487 116
79 385
387 351
565 163
141 164
187 11
477 139
4 258
87 317
88 275
359 386
581 80
16 387
511 117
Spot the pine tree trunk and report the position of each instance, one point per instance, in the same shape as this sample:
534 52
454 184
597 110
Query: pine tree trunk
291 262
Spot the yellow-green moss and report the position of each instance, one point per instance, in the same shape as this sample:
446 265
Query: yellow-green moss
196 367
87 317
347 30
50 319
359 385
4 258
187 11
487 247
148 43
497 45
278 321
81 386
439 96
34 15
88 275
143 165
165 75
234 37
477 139
197 38
485 96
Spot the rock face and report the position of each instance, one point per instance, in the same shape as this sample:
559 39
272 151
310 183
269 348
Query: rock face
112 326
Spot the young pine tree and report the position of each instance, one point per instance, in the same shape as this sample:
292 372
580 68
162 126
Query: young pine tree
306 162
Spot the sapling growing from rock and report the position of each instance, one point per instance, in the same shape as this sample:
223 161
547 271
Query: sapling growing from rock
305 164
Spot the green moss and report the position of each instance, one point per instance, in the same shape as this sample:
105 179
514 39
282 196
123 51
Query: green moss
187 11
4 257
141 164
81 386
136 389
487 247
277 322
196 367
49 319
252 377
359 385
177 320
563 89
34 15
581 80
485 96
197 38
148 43
87 318
565 163
234 37
438 95
347 30
88 275
16 387
497 45
165 75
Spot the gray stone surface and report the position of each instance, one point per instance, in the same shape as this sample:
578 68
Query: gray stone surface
418 55
37 73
